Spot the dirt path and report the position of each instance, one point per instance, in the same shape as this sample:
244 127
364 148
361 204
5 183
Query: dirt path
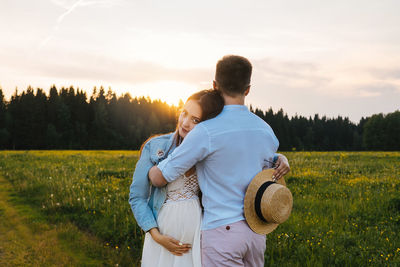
25 237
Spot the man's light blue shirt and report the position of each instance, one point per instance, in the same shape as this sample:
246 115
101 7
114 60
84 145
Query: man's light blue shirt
228 151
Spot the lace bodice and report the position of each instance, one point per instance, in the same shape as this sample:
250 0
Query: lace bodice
183 188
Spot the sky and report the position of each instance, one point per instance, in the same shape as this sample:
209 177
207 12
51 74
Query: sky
334 58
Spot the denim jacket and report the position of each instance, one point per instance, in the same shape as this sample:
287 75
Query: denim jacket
145 199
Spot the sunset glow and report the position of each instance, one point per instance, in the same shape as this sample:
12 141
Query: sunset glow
169 91
339 58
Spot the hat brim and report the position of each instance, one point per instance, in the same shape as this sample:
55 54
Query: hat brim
255 223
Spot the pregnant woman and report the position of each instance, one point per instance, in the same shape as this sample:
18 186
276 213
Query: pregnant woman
171 215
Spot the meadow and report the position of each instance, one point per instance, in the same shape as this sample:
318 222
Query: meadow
346 204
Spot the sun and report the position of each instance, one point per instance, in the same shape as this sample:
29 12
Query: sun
170 92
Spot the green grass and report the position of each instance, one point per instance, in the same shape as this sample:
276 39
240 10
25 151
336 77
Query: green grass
346 204
27 239
86 188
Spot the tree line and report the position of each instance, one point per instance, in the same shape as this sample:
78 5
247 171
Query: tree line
68 119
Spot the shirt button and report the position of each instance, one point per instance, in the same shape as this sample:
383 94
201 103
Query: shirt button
228 227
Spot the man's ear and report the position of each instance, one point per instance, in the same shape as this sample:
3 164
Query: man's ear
215 85
247 90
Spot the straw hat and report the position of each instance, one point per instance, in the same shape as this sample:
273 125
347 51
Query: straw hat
273 200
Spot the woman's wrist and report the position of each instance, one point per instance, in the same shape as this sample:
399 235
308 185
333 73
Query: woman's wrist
155 234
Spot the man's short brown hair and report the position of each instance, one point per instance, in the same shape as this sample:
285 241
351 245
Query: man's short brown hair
233 74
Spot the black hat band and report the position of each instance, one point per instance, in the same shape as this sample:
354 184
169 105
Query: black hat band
257 200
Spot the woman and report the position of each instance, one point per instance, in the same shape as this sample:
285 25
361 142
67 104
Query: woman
171 216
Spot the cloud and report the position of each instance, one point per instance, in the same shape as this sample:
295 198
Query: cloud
86 66
326 81
69 10
293 74
45 41
67 4
70 6
385 73
378 89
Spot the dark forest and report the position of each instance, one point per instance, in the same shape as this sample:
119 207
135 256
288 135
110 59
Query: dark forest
68 119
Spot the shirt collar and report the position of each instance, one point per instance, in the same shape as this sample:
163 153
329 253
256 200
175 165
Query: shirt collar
235 107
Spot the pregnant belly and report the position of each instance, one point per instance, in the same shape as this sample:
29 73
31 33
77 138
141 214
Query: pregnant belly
181 220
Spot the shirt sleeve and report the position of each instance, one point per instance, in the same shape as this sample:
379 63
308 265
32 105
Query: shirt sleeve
194 148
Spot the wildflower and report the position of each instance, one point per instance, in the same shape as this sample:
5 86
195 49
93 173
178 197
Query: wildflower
129 247
51 195
116 247
79 199
58 204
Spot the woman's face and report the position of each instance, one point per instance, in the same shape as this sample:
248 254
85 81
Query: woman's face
190 116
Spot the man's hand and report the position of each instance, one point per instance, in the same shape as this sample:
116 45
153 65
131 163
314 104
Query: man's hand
281 167
169 243
156 177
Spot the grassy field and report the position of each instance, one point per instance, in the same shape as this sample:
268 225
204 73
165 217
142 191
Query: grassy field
346 205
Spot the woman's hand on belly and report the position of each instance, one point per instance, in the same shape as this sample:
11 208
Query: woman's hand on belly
171 244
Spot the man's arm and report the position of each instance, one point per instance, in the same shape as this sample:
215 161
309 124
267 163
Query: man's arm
194 148
156 177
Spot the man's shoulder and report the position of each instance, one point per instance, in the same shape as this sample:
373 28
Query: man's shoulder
227 120
259 121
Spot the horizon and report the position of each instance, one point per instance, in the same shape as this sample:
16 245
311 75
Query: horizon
329 58
90 94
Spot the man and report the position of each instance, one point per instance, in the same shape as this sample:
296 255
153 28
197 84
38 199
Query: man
228 152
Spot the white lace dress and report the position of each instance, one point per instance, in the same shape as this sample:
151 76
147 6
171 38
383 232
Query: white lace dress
180 218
